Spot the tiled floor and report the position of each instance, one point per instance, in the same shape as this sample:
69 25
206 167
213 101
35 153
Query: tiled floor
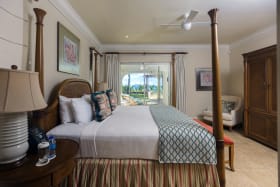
255 164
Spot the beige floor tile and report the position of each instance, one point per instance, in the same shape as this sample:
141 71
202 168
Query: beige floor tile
255 164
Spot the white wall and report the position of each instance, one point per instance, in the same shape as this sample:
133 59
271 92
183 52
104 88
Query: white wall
14 39
258 40
199 56
12 44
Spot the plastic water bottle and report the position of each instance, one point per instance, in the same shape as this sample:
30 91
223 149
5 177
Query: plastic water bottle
52 147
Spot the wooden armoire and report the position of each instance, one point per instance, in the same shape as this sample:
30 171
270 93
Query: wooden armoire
260 96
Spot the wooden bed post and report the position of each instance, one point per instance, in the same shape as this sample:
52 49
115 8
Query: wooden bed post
90 68
95 72
173 89
218 130
96 53
39 50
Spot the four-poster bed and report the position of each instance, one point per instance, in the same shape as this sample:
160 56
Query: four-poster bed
94 51
161 174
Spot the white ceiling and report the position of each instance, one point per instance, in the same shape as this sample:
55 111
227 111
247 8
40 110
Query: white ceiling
112 20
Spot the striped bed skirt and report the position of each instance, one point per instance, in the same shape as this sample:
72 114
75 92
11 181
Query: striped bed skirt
142 173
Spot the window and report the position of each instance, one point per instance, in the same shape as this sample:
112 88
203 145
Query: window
144 83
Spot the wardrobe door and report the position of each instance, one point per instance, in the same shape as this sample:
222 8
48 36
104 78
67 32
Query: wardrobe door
260 95
258 128
257 100
272 84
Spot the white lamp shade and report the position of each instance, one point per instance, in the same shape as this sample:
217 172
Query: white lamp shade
20 91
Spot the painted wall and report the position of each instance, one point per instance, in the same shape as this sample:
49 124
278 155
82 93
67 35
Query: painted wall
19 34
199 56
258 40
13 47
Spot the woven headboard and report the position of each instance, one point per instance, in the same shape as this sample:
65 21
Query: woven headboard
49 117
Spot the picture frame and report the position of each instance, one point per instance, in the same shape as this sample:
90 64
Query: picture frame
68 48
204 79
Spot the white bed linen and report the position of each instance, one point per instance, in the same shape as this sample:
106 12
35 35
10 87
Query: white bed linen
130 132
68 131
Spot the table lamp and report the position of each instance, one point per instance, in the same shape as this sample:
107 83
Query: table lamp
19 93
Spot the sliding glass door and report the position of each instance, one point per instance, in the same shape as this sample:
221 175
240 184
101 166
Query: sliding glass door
144 83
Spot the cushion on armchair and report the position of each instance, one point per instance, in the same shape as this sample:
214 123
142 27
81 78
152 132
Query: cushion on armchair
231 111
228 106
225 116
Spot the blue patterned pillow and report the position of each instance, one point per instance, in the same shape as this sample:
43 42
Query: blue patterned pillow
228 106
112 99
102 105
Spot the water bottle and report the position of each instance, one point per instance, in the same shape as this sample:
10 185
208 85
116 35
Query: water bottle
52 147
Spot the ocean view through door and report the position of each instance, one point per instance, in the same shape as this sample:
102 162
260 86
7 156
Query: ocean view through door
144 83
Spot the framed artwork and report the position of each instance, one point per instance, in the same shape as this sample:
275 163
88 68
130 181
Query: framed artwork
68 46
203 79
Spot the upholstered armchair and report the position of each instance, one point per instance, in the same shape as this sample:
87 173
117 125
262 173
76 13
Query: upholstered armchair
232 111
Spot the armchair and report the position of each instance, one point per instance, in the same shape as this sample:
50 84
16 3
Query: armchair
232 111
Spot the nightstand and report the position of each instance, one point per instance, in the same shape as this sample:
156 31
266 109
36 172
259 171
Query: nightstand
50 175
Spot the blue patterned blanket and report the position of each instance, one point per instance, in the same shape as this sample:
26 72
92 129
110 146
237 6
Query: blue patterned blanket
181 139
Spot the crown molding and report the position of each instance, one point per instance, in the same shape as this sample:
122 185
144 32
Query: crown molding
156 47
64 7
255 35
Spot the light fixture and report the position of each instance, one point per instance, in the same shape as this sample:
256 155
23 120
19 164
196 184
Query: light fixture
19 93
186 25
126 36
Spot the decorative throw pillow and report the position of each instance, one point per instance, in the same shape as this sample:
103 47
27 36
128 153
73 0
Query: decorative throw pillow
65 110
87 97
102 105
228 106
82 110
112 99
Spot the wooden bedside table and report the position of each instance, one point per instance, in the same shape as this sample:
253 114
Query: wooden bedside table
50 175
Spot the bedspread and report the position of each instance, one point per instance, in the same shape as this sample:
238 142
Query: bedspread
181 139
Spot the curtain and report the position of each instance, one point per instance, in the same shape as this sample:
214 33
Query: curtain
181 86
113 73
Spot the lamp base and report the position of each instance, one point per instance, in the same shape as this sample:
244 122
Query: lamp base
13 137
4 167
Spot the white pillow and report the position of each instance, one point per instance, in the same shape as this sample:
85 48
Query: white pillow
82 110
65 110
87 97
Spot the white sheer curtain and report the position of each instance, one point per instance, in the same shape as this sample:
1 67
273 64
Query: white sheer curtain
181 86
113 73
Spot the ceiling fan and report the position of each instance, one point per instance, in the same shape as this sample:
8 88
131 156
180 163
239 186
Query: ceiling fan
187 22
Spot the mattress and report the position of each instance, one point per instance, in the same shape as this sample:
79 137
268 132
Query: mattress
68 131
130 132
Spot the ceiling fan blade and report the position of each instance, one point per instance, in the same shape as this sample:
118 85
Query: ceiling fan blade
191 16
181 17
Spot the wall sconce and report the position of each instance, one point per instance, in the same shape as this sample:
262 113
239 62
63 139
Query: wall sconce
19 93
